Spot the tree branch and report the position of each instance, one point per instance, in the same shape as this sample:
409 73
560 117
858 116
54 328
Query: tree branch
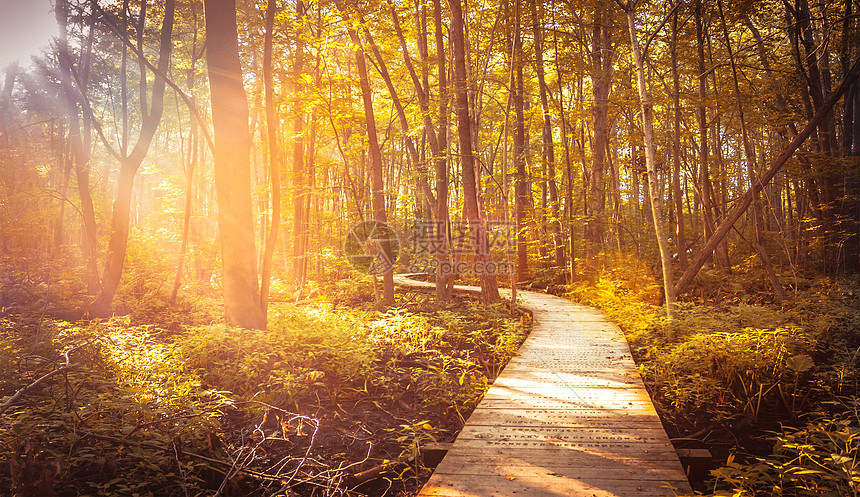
161 74
17 395
656 31
746 199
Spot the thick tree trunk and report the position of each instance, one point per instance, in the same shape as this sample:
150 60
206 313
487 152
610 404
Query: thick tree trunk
489 286
602 55
232 167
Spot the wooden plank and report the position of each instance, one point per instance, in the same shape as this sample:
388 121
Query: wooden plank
568 416
553 458
577 466
531 379
563 392
561 418
445 485
542 403
612 447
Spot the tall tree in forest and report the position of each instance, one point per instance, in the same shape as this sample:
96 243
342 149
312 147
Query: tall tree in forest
438 143
79 139
130 163
232 166
522 189
376 172
602 54
274 156
681 236
702 116
445 280
650 153
489 286
193 149
299 176
546 135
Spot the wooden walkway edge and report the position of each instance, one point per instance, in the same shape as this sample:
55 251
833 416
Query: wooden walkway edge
568 416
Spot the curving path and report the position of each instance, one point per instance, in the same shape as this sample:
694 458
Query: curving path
568 416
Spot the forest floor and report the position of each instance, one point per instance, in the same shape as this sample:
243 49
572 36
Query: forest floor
336 398
340 398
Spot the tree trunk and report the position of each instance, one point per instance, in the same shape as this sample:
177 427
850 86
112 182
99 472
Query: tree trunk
521 186
80 150
274 157
489 287
650 149
444 280
129 165
601 77
299 176
704 172
681 240
189 172
568 168
232 167
376 169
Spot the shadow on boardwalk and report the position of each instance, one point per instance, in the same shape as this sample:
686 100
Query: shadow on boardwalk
568 416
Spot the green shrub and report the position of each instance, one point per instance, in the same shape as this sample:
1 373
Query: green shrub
721 370
822 458
303 348
116 423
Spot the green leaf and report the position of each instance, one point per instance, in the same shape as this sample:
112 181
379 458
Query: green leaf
799 363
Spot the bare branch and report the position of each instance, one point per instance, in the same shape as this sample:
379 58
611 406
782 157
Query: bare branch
161 74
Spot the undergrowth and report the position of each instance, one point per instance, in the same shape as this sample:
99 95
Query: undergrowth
328 393
772 388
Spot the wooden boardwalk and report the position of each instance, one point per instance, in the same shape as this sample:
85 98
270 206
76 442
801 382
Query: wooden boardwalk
568 416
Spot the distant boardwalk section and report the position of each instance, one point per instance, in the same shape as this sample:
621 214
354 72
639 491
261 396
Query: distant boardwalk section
569 416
